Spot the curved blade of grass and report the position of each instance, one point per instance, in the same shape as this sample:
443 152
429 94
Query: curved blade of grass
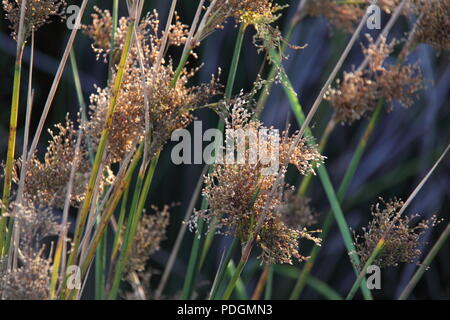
316 284
220 275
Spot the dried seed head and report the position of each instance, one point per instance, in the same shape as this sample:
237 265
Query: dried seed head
402 239
343 16
433 24
37 13
360 90
48 179
347 14
238 195
169 108
31 281
150 232
145 83
296 211
35 222
148 35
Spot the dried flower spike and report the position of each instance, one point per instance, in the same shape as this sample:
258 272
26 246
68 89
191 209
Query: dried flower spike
37 13
402 240
238 194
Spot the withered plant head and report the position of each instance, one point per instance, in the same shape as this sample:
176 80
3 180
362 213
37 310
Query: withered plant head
433 24
346 15
145 84
296 211
48 179
150 232
402 238
35 222
238 195
261 14
37 13
148 35
30 281
359 91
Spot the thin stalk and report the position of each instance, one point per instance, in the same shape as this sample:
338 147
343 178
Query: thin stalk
342 191
173 254
425 264
115 18
241 294
261 283
379 247
11 142
102 145
222 269
269 285
230 288
120 188
134 220
193 265
323 142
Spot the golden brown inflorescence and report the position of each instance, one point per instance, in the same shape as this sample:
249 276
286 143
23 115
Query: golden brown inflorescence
48 179
31 281
402 239
151 231
145 84
359 91
346 15
239 194
433 23
37 13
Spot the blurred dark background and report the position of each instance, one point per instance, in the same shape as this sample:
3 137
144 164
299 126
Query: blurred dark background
404 146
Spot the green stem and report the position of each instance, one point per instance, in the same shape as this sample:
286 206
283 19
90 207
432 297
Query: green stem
357 283
323 174
11 144
220 276
194 263
425 265
234 279
137 208
269 284
101 147
342 191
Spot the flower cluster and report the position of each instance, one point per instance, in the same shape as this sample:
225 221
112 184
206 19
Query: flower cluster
346 14
146 86
433 24
48 179
402 240
147 32
150 232
360 90
37 13
239 194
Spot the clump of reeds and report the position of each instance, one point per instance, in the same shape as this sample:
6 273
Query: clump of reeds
102 164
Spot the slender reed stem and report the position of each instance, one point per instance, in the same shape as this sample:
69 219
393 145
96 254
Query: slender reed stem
193 264
102 145
425 264
379 247
261 283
